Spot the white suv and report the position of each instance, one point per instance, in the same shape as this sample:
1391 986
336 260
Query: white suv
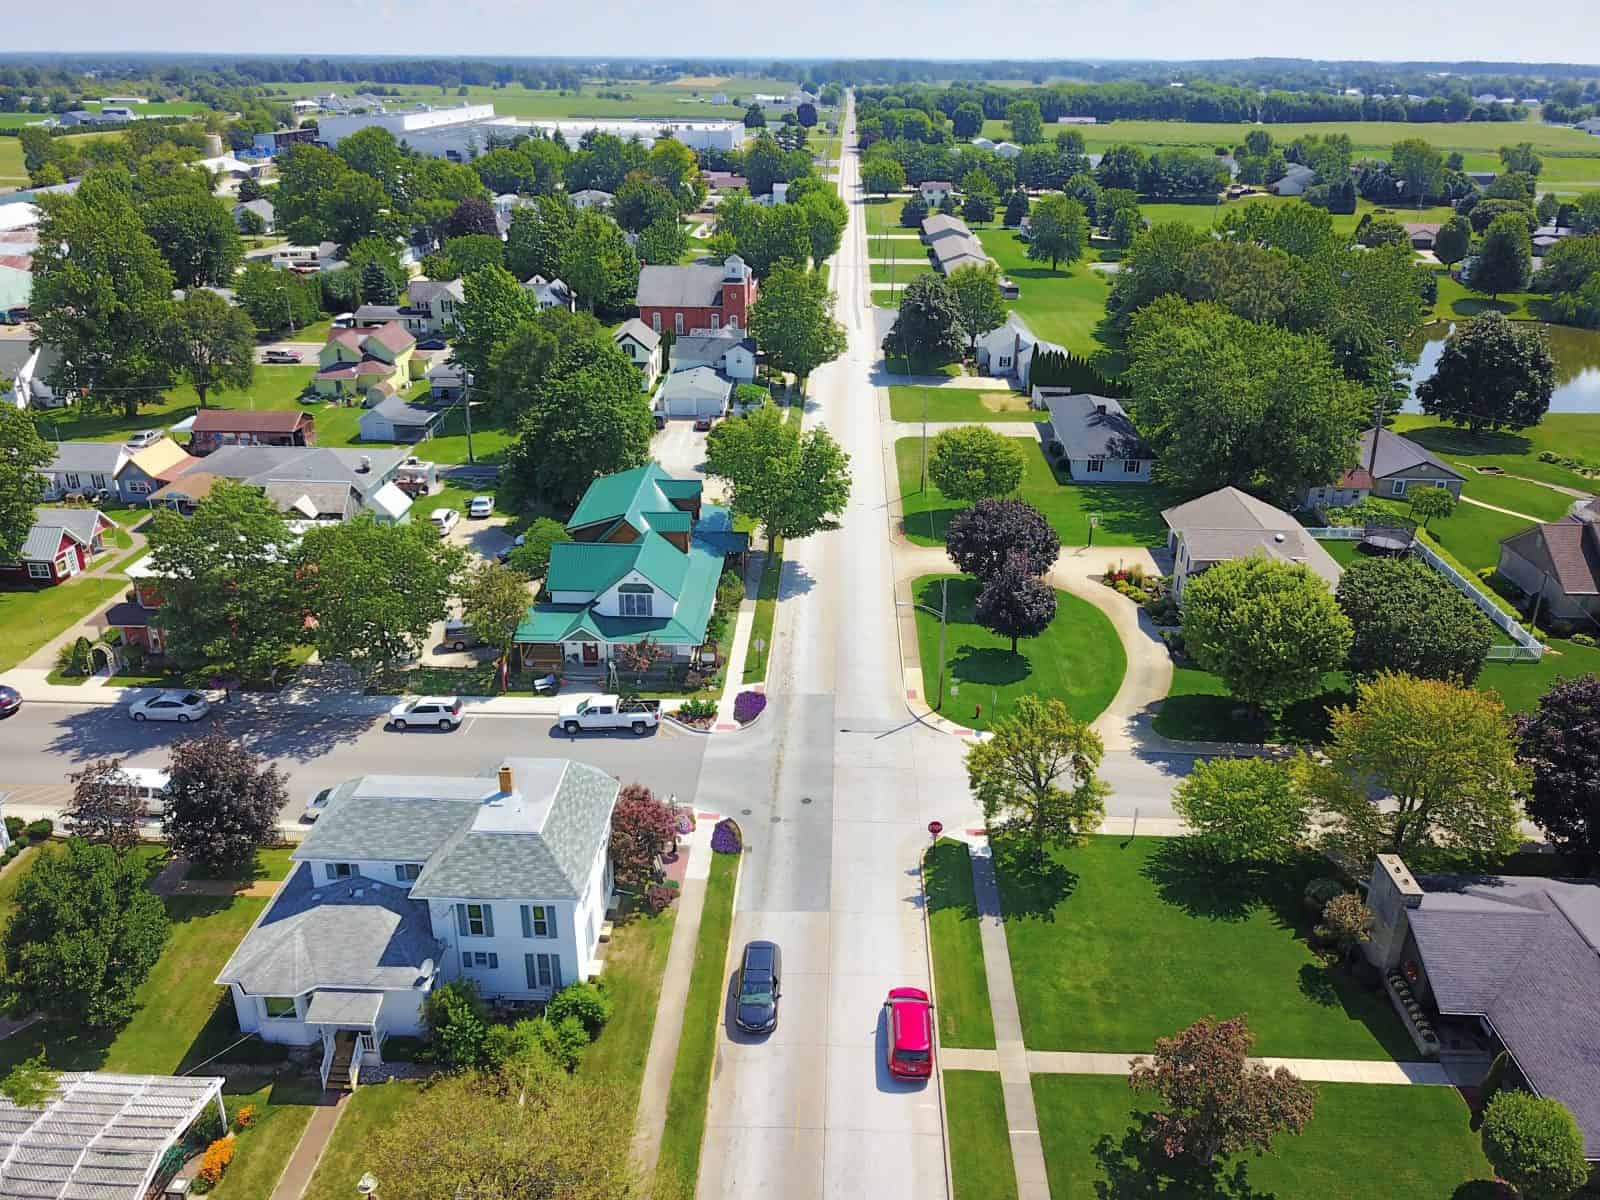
444 519
443 712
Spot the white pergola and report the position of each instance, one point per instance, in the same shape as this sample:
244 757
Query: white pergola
100 1136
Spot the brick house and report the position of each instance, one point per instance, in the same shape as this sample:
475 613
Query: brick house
697 298
132 618
60 544
214 428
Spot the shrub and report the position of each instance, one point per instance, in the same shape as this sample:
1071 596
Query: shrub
456 1016
38 830
1494 1078
747 706
14 827
1319 891
1534 1144
658 897
207 1127
725 838
697 710
245 1117
1584 639
583 1001
749 394
217 1157
563 1041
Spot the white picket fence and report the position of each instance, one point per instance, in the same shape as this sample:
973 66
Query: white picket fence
1525 648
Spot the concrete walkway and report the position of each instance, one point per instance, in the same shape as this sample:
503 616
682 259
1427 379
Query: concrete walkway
308 1151
1313 1070
1016 429
1510 512
733 680
980 383
1022 1122
651 1119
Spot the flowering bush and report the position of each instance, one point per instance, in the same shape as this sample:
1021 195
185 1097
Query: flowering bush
685 819
217 1157
658 897
245 1117
747 706
725 838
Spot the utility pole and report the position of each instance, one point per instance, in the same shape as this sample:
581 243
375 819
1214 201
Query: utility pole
466 404
943 613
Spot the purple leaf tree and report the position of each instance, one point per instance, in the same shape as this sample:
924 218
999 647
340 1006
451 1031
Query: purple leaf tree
1014 603
983 537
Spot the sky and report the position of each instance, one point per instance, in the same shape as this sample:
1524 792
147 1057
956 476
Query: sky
1146 29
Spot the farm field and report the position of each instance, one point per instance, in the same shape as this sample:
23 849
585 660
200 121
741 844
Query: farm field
12 172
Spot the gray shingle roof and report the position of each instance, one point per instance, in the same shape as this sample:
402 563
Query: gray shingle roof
696 382
707 348
261 465
1228 524
421 291
1521 951
1397 455
44 537
351 933
696 285
103 457
1568 550
397 412
393 818
1093 426
639 332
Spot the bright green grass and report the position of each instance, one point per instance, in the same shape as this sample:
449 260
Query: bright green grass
755 661
262 1151
12 171
1456 300
1472 534
1078 659
910 249
1521 684
1065 305
980 1152
349 1153
29 619
636 957
1366 1142
1538 502
962 986
1121 941
1199 708
1130 514
12 877
958 404
679 1164
1572 435
272 864
897 274
1204 216
883 215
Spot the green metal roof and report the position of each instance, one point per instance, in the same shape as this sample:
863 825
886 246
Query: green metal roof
630 496
697 594
595 566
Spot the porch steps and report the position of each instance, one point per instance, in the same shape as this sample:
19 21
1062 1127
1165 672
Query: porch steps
606 931
343 1070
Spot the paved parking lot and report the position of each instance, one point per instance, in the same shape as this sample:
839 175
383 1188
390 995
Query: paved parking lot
680 450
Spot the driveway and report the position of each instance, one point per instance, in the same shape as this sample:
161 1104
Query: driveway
680 450
485 537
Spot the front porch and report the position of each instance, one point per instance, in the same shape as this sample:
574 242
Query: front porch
350 1028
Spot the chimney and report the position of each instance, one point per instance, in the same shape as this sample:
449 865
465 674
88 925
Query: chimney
1391 891
366 464
506 785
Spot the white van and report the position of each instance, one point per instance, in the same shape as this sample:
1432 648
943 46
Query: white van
150 785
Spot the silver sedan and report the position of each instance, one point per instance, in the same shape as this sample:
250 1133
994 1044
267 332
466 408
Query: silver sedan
172 705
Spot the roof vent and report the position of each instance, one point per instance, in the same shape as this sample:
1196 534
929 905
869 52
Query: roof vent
1278 537
1100 407
366 464
505 779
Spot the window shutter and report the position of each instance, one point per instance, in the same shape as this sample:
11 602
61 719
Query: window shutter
527 963
494 961
527 922
488 921
461 919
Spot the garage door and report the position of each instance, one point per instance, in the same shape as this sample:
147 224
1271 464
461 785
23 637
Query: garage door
683 408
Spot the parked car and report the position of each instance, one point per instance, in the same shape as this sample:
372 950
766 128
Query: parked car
172 705
145 437
702 424
909 1046
433 343
10 701
505 555
444 519
480 506
281 356
316 805
596 711
344 321
16 316
442 711
458 634
760 985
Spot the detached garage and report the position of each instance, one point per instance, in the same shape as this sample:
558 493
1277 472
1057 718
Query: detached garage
394 420
693 394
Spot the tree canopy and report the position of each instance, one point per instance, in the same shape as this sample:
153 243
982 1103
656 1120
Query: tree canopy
1242 810
974 462
1559 743
1014 603
1035 774
1492 374
213 344
928 328
1406 618
222 801
983 537
792 484
22 454
792 320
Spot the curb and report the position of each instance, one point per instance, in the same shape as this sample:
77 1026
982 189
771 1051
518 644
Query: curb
933 996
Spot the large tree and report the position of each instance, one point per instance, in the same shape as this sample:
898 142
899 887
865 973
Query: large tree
1225 401
882 174
1453 241
1270 629
1421 165
1215 1100
1015 603
536 242
792 320
928 328
982 538
222 802
1419 765
1242 810
213 344
1559 743
598 264
102 295
22 454
106 805
85 933
231 600
495 305
1406 619
792 484
1058 230
643 830
974 462
1504 262
1035 774
376 589
494 599
641 201
1027 127
1492 374
977 292
826 217
197 237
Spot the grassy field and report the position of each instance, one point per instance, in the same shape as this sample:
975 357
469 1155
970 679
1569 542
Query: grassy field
1364 1143
980 1154
962 986
1199 708
897 274
1204 216
1065 305
349 1152
272 864
1521 684
1130 514
29 618
883 215
679 1164
1078 660
960 404
12 171
282 1109
635 959
909 250
1575 435
1119 942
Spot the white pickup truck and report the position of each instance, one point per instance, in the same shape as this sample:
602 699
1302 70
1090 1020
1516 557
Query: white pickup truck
594 711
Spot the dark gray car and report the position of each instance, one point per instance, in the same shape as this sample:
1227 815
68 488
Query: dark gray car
760 986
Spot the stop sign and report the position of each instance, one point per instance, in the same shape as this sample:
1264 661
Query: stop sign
935 828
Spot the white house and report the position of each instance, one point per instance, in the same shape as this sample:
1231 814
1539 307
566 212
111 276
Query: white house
261 208
551 293
1009 350
1098 440
642 345
31 388
1007 149
431 305
722 350
982 143
1227 524
694 394
406 882
591 198
935 191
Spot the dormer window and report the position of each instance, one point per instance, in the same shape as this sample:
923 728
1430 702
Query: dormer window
636 599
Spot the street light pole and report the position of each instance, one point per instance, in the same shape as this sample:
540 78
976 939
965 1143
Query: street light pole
943 613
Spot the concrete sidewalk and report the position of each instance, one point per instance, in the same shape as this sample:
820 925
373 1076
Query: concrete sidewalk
302 1164
1313 1070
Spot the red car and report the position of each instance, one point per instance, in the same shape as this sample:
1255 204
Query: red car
910 1041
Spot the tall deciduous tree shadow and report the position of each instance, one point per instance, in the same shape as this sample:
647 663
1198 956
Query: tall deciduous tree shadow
1135 1168
1031 885
1196 884
989 664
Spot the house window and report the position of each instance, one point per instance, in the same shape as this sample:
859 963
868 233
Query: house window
478 959
636 600
538 921
544 971
655 321
341 870
98 481
72 479
733 320
280 1008
716 321
1398 487
139 487
39 570
677 324
1132 466
407 872
1095 465
474 920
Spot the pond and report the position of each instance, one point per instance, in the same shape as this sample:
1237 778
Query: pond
1576 353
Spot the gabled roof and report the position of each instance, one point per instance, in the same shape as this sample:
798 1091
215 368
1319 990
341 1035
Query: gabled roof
628 495
1092 426
50 525
694 285
708 347
372 314
639 332
228 420
696 383
261 465
1397 455
164 460
397 412
423 291
1228 524
1565 550
101 458
940 223
594 567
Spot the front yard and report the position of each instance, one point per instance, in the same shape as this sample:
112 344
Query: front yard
1366 1142
1120 942
913 404
960 982
30 617
1078 660
1065 305
980 1153
1199 708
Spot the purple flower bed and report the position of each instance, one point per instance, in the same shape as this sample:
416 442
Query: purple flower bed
747 706
685 820
725 837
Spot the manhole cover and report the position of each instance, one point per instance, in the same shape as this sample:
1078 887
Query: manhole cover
744 812
805 799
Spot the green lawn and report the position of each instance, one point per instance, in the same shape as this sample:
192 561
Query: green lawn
1366 1142
1078 660
980 1152
1130 514
679 1164
1521 684
1539 502
349 1153
1456 300
262 1151
1472 535
31 617
635 958
1199 708
899 274
883 215
960 404
271 864
12 877
1119 942
1572 435
961 982
1065 305
755 661
911 249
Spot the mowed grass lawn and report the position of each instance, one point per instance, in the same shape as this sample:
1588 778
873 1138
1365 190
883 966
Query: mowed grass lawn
12 170
960 404
635 958
980 1152
1365 1142
960 981
30 617
349 1153
1078 660
1122 941
1064 305
1199 708
1571 435
1520 684
1130 514
283 1107
883 214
